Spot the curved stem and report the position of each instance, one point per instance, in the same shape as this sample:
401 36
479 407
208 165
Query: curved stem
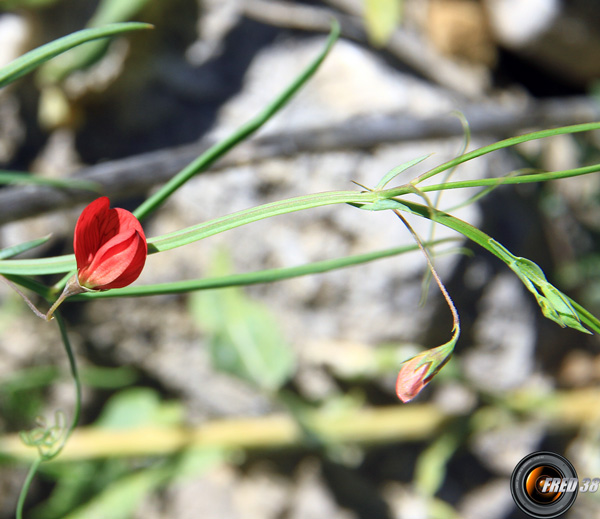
76 415
455 317
72 288
24 297
25 489
76 380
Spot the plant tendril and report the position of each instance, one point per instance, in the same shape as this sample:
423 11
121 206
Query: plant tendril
51 439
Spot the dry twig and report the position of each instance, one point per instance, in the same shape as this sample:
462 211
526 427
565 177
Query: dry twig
135 175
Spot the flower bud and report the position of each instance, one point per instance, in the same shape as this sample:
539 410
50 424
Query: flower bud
418 371
110 247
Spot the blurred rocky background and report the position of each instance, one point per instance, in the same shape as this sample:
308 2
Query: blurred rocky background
134 111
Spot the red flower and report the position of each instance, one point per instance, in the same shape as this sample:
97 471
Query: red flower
110 247
418 371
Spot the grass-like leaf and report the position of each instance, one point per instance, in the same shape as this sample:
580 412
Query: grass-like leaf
393 173
108 12
13 177
33 59
219 149
371 200
38 267
506 143
15 250
252 278
527 178
254 214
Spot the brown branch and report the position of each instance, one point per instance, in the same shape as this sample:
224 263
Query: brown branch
134 176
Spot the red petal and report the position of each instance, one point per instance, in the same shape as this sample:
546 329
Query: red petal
128 221
134 269
87 231
117 258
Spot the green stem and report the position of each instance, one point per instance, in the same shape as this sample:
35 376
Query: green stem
251 278
26 484
76 415
74 373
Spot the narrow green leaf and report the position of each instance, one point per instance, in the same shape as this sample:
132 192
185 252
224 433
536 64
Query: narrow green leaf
511 178
18 178
506 143
399 169
381 200
188 235
15 250
36 267
33 59
219 149
122 497
252 278
254 214
108 12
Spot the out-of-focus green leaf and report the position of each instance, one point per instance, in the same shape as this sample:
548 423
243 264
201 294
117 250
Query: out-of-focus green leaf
197 461
34 58
73 484
29 378
245 336
108 12
136 407
14 4
108 378
381 18
15 250
430 470
113 11
121 498
18 178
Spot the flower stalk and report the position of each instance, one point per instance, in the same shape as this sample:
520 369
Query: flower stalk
419 370
71 288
